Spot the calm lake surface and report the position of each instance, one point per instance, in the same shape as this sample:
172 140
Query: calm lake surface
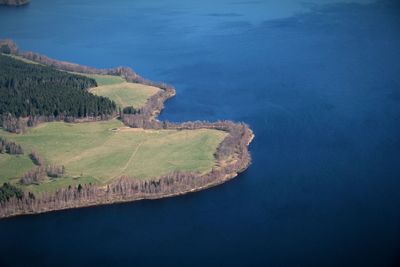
318 81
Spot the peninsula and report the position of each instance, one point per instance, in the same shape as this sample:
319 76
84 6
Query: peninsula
75 136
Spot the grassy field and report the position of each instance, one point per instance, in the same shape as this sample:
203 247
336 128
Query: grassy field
99 152
104 79
126 94
12 167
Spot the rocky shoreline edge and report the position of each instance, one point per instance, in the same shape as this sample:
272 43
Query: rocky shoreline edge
233 156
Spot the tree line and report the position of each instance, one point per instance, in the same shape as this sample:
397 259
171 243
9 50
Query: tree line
232 152
10 147
9 191
41 171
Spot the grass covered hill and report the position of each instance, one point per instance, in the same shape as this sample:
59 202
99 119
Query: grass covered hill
36 90
126 94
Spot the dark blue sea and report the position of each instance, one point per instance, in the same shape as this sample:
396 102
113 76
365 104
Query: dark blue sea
318 82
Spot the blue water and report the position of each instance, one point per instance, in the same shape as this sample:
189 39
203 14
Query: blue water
318 81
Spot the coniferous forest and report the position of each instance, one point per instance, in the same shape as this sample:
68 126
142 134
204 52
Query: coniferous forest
29 90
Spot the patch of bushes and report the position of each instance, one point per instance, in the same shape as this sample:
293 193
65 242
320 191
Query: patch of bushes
10 147
130 110
8 191
38 174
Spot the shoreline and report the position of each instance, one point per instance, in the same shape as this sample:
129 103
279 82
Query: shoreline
128 189
133 199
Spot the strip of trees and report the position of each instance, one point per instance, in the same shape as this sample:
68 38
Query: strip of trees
232 156
124 189
36 158
145 116
8 191
10 147
130 110
41 171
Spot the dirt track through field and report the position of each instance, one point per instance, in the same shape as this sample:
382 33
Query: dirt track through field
127 163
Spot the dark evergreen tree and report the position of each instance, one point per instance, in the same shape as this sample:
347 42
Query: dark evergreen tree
8 191
28 90
130 110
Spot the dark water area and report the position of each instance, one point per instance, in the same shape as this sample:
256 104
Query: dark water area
319 82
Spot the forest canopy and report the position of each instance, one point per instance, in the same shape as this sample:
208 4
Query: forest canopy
36 90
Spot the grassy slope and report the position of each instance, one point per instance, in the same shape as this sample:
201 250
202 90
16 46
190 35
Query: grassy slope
104 79
126 94
22 59
12 167
93 152
123 93
100 79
